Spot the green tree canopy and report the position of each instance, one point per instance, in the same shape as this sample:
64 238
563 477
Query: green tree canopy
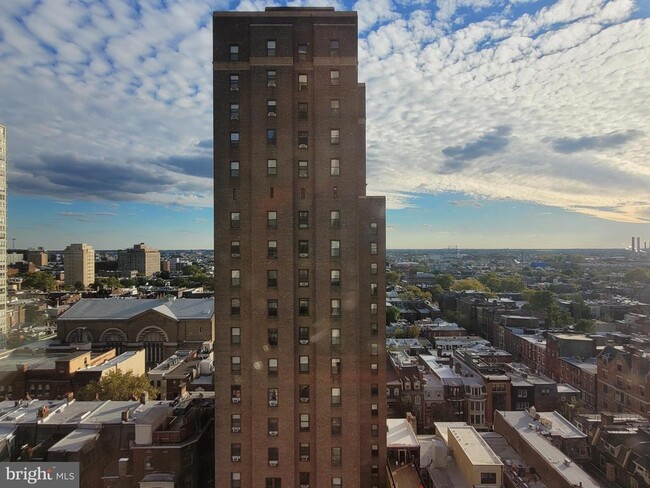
40 281
393 278
640 275
392 314
108 283
502 284
415 293
117 385
445 281
469 284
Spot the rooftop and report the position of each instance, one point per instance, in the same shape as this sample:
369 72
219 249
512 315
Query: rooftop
126 308
400 434
473 445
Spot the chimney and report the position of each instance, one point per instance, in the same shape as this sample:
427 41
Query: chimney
43 412
144 397
123 467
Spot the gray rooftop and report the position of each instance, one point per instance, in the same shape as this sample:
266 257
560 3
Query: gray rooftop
126 308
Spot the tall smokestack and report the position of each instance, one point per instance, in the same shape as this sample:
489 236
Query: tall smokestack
632 244
638 244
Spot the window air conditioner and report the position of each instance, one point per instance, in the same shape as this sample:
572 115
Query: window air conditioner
304 458
271 83
236 400
273 403
302 146
273 432
304 399
236 459
304 341
234 116
236 429
234 88
273 463
271 114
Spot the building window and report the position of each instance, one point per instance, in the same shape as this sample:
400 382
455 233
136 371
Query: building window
335 136
335 192
270 47
303 138
374 409
373 228
303 169
235 277
303 277
304 422
374 430
303 219
272 219
303 451
271 108
235 423
303 335
488 478
235 393
373 248
374 349
304 479
271 137
335 167
234 82
337 482
303 112
374 470
272 337
335 219
234 193
374 450
273 483
235 221
272 278
335 107
234 52
335 77
303 249
336 456
303 394
272 308
234 169
235 480
373 368
272 249
302 52
235 336
336 337
272 367
374 289
271 77
374 389
271 167
302 82
335 248
234 249
373 309
273 396
303 364
334 47
303 306
273 456
235 452
235 364
335 307
373 268
272 425
235 306
335 277
335 425
234 111
336 367
234 139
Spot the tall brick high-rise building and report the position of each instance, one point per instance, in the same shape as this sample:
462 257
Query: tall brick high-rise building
300 256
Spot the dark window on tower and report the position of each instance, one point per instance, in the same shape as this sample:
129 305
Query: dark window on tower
303 169
303 306
303 249
270 47
335 219
235 220
302 52
304 393
302 82
234 111
271 137
271 167
303 112
272 249
272 308
235 306
234 139
271 219
303 219
234 169
272 278
234 52
303 335
271 78
303 277
335 77
334 47
303 138
234 82
335 106
271 108
335 277
235 249
272 337
336 425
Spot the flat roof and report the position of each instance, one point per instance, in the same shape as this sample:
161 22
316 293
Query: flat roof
112 362
76 440
473 445
442 429
400 434
555 458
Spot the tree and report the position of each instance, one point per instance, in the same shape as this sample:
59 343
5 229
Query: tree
639 275
392 314
40 281
586 326
415 293
107 283
393 278
79 286
445 280
469 284
119 386
436 291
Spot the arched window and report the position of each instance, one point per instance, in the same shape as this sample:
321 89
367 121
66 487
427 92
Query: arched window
153 340
80 334
114 338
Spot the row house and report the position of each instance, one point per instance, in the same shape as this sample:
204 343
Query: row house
445 398
623 374
528 346
531 389
409 378
581 374
445 346
619 447
562 345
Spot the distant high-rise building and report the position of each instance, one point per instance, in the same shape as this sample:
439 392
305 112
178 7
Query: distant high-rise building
299 256
141 258
79 264
38 257
3 236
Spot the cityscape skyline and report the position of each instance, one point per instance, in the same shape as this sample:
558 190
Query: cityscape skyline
505 124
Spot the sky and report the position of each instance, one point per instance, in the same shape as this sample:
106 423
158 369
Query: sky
490 123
